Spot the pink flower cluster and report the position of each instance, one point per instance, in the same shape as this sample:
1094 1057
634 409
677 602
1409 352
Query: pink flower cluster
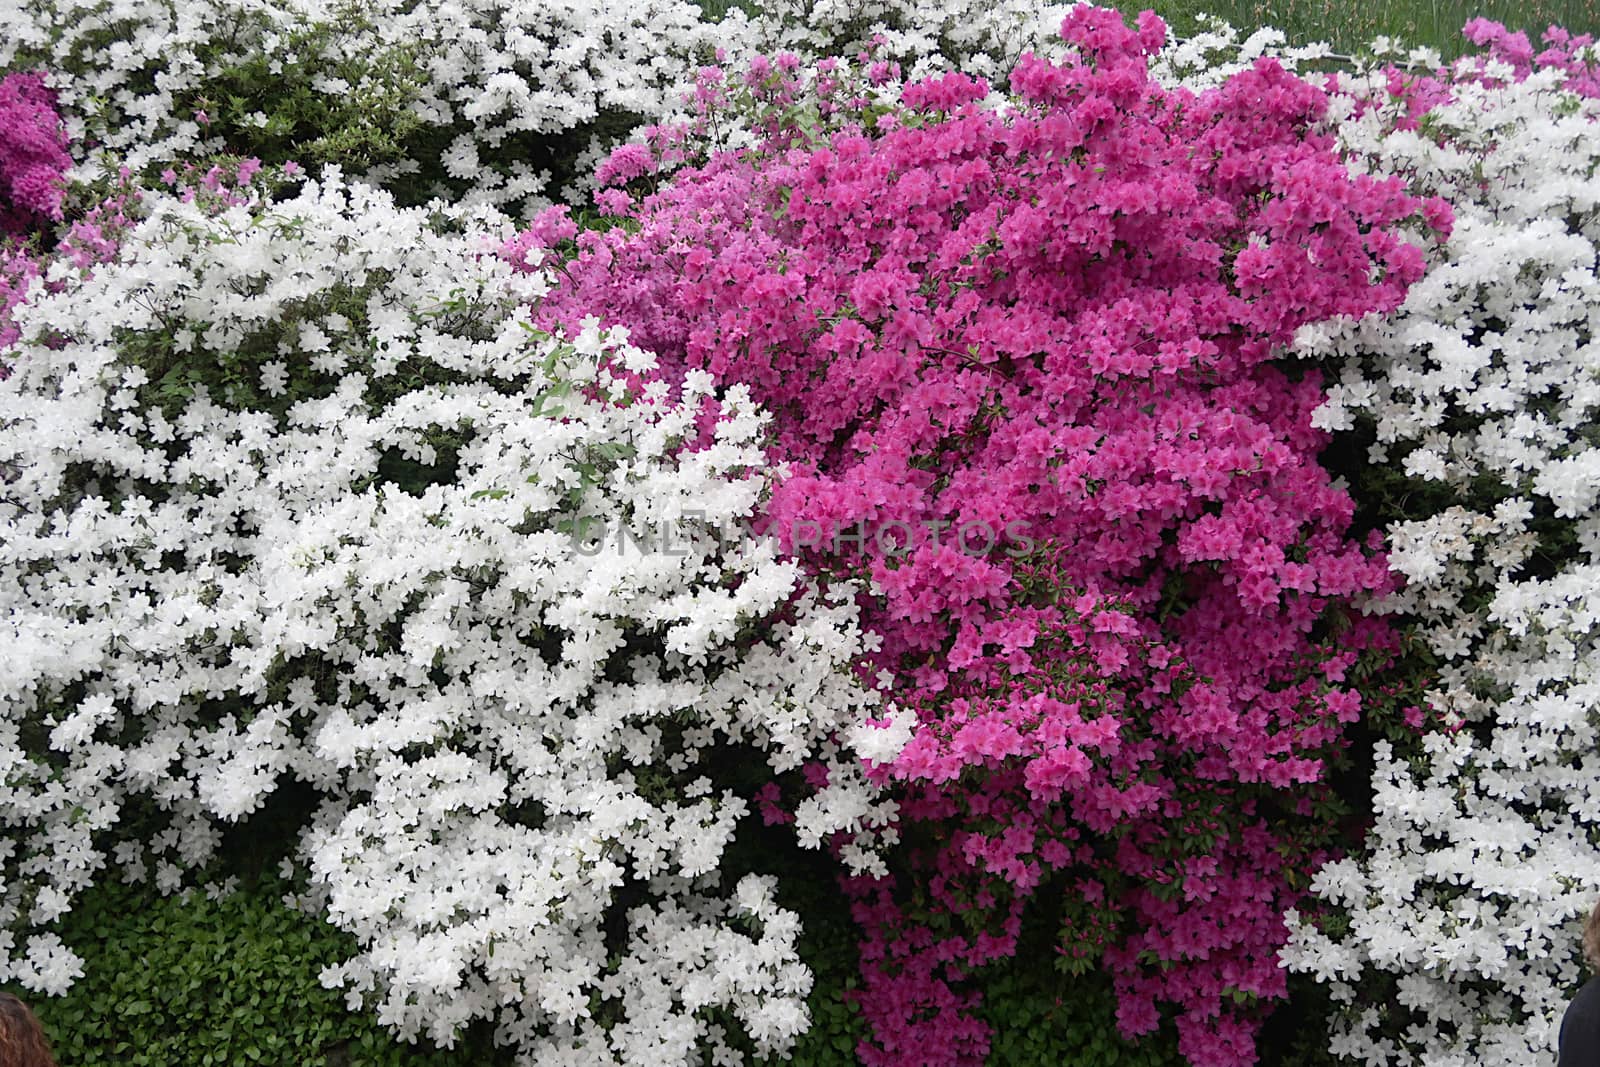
17 271
1055 329
33 154
1560 52
88 241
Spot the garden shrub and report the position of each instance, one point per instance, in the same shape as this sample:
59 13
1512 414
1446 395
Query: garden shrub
129 75
1058 321
1276 398
293 495
33 155
925 38
463 99
436 97
1453 935
17 271
1039 1015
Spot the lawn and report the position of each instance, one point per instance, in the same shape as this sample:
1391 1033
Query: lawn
1350 26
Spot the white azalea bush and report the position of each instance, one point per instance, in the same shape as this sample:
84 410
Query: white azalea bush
926 38
135 80
290 493
1219 51
471 100
1454 934
435 93
500 79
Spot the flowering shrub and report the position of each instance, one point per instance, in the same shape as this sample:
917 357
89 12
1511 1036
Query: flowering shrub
499 76
94 236
927 38
1208 58
303 524
426 97
456 98
1452 938
17 271
102 61
1051 327
291 494
33 154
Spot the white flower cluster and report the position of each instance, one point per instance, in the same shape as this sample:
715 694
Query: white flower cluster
926 38
133 75
474 76
495 70
521 745
1209 58
126 73
1483 389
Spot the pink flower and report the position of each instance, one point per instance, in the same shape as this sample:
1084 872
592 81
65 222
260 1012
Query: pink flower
625 164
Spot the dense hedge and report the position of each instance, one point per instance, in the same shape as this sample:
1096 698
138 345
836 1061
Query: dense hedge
1266 737
189 979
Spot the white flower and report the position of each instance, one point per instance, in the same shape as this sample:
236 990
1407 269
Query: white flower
274 377
880 742
77 728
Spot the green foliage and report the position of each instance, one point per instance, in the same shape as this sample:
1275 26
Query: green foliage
274 110
1296 1033
828 945
186 980
1041 1017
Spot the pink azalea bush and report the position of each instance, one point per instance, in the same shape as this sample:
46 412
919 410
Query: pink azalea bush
1021 367
33 154
33 159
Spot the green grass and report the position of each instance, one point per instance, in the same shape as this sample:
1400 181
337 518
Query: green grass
1349 26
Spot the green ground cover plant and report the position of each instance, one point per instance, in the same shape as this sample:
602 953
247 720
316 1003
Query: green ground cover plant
191 980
